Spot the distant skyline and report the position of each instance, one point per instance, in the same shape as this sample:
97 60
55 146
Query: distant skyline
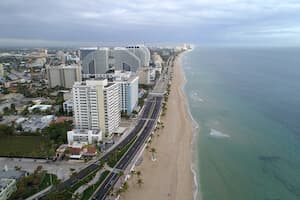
96 22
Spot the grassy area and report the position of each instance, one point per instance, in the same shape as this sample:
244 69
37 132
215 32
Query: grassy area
35 146
87 193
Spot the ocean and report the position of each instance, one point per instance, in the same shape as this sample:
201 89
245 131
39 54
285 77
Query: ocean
247 104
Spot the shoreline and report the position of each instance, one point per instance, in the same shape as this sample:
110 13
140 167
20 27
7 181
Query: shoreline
173 174
196 127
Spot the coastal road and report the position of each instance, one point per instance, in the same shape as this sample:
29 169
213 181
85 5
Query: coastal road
94 166
111 180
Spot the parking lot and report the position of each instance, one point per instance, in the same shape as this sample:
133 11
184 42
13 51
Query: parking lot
60 168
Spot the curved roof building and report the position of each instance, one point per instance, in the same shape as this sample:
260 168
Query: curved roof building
101 60
96 62
125 60
142 53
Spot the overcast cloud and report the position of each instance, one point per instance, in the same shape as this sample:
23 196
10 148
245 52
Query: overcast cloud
269 22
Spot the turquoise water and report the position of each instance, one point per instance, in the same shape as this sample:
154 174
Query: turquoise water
247 103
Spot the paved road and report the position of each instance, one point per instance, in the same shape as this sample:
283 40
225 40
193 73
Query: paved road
94 166
162 83
111 180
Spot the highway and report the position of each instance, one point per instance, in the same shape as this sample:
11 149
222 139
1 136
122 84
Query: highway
111 180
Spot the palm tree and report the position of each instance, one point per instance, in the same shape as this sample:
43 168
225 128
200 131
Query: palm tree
121 173
125 187
138 173
132 172
153 151
140 182
76 196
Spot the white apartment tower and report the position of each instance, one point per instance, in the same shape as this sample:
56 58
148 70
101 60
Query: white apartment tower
129 84
97 106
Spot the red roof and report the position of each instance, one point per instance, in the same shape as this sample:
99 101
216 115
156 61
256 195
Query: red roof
62 119
74 151
91 150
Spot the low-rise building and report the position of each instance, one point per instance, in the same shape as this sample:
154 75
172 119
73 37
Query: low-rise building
84 136
8 179
41 107
35 122
79 151
7 187
68 106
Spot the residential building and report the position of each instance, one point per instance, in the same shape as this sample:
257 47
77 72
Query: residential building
95 61
35 122
125 60
142 53
41 107
129 90
7 187
97 106
63 75
8 179
78 151
1 70
84 136
102 60
83 52
144 75
68 106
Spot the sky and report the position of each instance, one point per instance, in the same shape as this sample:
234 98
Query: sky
202 22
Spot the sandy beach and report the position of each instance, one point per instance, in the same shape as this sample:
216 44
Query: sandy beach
170 176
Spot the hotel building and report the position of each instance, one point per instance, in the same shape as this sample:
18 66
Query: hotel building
97 106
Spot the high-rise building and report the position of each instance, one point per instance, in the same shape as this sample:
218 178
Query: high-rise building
62 75
101 60
144 75
1 70
129 84
95 61
85 51
142 53
97 106
125 60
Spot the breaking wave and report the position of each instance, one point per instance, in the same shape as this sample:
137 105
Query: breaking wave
218 134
